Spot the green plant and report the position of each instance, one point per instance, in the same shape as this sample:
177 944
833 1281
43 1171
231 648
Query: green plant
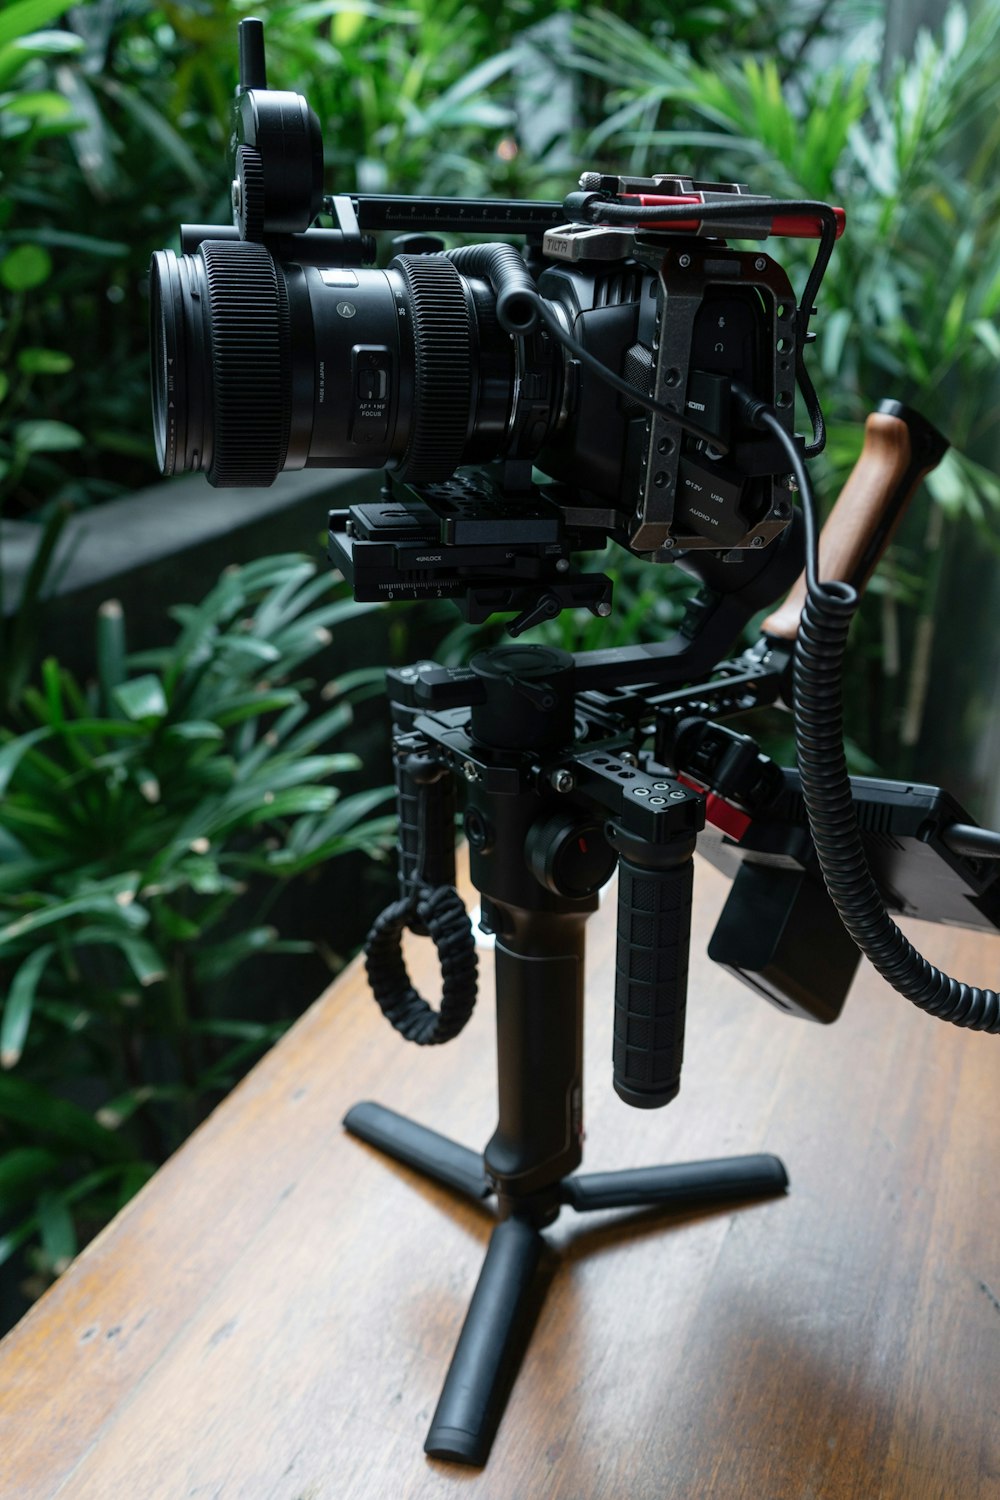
146 825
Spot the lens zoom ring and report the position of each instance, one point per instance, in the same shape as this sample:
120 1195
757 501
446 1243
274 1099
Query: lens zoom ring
442 337
248 316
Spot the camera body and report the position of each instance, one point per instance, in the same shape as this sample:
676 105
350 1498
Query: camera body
477 377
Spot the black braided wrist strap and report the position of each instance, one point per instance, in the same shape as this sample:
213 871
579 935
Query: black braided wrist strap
442 914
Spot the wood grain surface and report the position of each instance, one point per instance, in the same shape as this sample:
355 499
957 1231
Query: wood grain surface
272 1317
860 511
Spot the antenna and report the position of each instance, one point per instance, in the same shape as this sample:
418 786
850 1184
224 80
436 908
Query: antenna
253 69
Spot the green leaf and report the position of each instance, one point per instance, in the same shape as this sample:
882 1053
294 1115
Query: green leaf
45 435
42 105
44 362
12 1242
13 751
245 645
21 1171
16 21
252 705
110 650
25 267
222 958
988 336
66 239
142 698
162 135
115 1113
57 1230
178 928
142 958
4 388
262 807
18 1005
194 729
35 1109
93 904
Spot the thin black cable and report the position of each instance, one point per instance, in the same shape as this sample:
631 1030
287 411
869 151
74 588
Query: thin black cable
826 785
618 382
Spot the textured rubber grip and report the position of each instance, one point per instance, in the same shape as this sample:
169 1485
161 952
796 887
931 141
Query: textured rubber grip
654 930
425 802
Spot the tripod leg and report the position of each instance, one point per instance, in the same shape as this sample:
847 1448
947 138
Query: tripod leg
685 1185
489 1347
434 1155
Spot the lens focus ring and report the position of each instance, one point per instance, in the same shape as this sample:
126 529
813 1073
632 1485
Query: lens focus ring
442 344
251 386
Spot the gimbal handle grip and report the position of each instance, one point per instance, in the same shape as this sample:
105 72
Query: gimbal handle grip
425 802
900 447
654 931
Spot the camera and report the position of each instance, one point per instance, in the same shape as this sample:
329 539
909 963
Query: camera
527 403
621 373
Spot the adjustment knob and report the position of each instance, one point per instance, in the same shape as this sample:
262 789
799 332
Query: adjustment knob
570 856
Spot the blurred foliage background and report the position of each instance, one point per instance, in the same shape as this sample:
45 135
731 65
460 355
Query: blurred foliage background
113 127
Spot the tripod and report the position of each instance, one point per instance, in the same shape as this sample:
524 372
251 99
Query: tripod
549 816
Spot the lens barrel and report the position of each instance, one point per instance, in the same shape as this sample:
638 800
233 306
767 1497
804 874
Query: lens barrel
260 365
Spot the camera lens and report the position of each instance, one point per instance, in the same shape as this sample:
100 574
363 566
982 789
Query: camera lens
260 366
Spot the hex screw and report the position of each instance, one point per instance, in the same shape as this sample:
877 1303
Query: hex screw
563 780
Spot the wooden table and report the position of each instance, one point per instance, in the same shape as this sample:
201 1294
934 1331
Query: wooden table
273 1315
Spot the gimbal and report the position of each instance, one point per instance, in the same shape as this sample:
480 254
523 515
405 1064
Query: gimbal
560 789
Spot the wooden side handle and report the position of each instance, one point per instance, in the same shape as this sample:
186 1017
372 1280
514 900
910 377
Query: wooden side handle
900 447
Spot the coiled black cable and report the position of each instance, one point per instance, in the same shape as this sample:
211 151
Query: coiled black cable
442 915
818 672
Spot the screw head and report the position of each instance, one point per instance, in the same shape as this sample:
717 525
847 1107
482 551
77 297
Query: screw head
470 770
563 780
684 260
676 796
760 263
629 758
757 541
